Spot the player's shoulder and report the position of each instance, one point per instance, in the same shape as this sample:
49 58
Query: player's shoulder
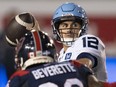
89 35
15 80
92 37
19 73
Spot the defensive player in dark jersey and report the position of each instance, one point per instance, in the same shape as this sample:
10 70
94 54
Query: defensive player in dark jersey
35 61
35 56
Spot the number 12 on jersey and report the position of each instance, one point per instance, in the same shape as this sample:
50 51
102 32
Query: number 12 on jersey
90 42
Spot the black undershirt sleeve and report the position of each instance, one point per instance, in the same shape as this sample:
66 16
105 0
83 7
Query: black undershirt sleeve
89 56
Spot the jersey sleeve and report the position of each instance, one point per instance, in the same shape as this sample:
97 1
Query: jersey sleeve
91 45
15 79
14 82
94 46
89 56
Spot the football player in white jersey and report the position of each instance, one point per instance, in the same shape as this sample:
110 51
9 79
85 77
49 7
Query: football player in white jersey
70 28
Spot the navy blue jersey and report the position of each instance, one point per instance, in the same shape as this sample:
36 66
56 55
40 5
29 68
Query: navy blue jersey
71 74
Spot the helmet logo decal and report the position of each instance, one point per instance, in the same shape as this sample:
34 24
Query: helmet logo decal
38 53
34 54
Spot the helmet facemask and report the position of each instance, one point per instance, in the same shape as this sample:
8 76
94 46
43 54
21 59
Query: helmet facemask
69 37
72 33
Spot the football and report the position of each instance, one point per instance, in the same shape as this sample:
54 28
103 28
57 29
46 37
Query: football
18 27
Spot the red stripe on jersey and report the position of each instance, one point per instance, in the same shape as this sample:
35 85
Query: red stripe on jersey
37 41
19 73
76 63
106 84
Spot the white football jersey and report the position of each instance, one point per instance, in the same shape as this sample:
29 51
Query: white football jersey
89 44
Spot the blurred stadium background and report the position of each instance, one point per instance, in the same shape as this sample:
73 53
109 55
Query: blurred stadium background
102 23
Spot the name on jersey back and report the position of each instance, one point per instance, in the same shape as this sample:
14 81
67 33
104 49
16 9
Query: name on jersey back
53 70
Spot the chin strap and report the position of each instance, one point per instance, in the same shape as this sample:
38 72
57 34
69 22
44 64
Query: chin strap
79 34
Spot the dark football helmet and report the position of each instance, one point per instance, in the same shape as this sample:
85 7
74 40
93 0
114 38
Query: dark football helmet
34 48
18 26
69 12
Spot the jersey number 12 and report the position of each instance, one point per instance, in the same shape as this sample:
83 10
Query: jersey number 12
90 42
